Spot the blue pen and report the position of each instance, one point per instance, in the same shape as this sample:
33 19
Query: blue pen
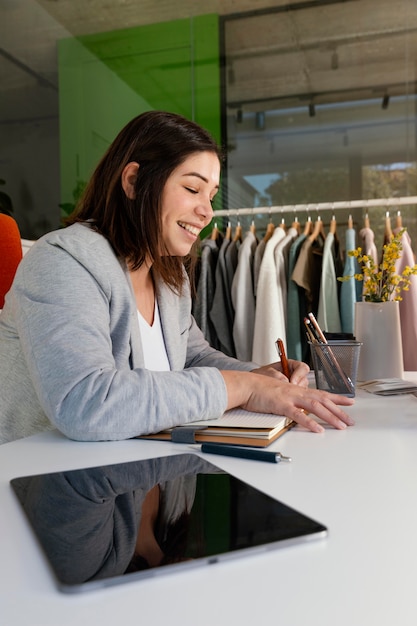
244 453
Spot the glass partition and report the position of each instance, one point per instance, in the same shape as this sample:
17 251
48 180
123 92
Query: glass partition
320 106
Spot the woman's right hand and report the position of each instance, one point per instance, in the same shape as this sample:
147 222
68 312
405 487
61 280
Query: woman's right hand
265 394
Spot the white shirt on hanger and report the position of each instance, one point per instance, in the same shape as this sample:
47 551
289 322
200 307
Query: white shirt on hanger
268 310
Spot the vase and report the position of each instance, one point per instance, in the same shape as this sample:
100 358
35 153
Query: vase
377 325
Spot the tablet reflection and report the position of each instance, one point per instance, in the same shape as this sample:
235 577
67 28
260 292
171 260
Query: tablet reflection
107 521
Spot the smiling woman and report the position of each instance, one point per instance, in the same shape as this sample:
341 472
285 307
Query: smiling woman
97 337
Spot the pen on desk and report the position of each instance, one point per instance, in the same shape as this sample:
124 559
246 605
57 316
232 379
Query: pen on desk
284 361
244 453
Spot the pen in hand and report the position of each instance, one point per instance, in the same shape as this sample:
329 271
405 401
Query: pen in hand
283 357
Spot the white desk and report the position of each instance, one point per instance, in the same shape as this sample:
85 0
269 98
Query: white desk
361 483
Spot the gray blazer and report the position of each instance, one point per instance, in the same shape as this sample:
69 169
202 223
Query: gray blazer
71 354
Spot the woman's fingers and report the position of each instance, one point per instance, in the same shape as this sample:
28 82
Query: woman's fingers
323 407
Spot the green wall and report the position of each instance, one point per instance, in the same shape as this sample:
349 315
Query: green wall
107 79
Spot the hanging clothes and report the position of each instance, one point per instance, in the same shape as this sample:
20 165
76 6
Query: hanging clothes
350 290
203 300
281 255
328 314
231 258
243 298
307 272
267 307
408 305
295 316
221 313
367 243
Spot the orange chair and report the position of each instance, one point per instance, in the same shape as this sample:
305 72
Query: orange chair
10 253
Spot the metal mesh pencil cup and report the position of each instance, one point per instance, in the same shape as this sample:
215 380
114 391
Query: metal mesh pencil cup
335 366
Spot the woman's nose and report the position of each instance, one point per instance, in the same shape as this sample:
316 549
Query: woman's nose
205 211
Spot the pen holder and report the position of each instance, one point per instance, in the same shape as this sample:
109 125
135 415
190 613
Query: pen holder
335 366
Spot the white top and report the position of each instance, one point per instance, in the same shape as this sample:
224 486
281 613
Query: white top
154 351
360 482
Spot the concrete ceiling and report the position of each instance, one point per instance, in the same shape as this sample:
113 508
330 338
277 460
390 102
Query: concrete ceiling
326 51
317 54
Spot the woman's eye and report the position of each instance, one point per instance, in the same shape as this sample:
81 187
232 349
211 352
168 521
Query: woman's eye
191 190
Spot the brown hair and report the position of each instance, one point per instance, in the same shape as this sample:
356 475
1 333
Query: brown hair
159 142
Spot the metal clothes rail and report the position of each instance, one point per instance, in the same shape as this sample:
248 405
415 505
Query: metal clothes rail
321 206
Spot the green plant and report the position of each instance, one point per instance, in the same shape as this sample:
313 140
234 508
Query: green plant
381 282
6 205
68 207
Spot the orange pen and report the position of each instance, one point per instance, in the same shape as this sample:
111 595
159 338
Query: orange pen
284 361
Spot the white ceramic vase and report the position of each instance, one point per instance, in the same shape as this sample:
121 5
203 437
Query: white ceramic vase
378 327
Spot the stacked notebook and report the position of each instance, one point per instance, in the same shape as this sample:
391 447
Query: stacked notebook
236 426
389 386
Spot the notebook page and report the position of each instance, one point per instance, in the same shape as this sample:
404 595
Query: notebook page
239 418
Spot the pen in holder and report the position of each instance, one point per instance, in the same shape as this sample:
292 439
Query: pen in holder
335 365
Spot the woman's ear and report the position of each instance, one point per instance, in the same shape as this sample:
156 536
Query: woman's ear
129 176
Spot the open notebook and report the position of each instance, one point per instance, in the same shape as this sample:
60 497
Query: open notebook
236 426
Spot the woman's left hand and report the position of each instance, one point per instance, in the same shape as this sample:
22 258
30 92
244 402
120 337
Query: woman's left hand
298 372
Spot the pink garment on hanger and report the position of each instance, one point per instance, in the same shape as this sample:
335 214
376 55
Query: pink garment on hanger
367 243
408 306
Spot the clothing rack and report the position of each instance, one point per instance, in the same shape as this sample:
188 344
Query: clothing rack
321 206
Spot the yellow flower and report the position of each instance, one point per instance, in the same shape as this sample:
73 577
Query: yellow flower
382 283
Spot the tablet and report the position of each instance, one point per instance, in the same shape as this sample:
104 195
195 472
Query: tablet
108 525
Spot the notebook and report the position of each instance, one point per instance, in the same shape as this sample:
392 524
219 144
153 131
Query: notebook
389 386
125 522
236 426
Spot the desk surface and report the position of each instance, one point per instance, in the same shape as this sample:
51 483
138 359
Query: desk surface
360 482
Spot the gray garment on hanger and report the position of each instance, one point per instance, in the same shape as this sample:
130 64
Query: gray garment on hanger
221 312
243 298
205 291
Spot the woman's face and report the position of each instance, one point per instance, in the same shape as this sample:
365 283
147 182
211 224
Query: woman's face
186 201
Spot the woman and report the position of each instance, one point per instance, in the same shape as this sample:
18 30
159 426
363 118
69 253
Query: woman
97 337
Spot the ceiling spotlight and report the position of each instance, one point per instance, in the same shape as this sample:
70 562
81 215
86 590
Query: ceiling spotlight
385 101
311 110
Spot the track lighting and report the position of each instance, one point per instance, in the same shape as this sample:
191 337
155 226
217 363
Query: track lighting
260 120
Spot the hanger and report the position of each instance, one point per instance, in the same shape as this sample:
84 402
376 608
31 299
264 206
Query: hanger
269 231
238 233
318 230
333 225
388 232
228 234
214 232
282 224
366 221
350 222
308 226
296 224
399 220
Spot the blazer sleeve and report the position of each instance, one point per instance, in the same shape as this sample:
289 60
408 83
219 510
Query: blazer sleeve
76 320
